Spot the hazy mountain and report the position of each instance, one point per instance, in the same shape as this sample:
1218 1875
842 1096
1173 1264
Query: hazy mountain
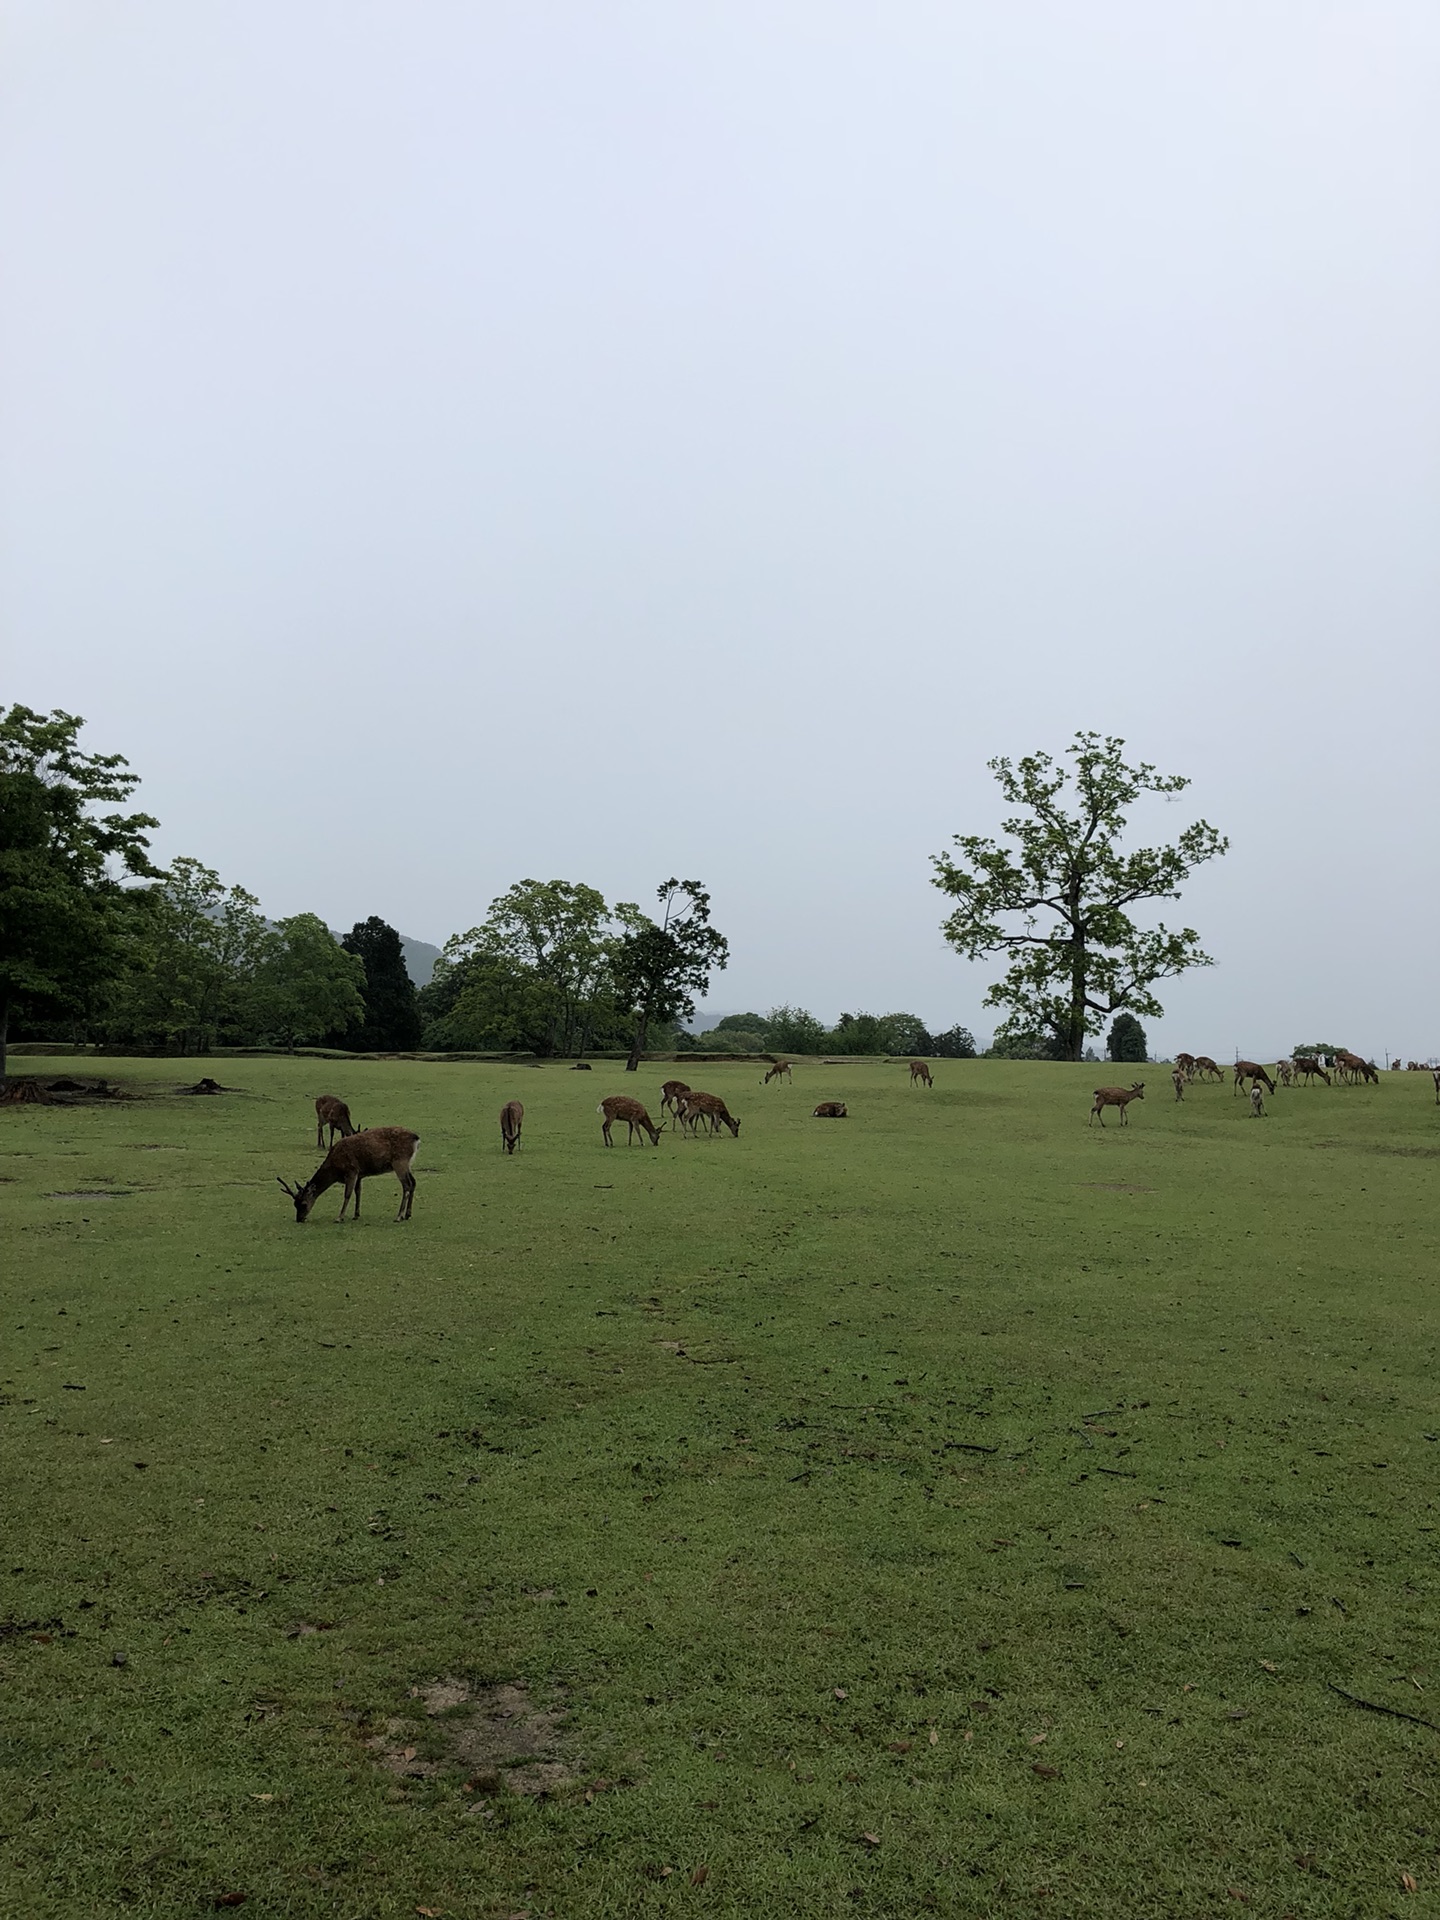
420 958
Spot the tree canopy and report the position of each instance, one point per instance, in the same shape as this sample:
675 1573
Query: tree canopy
392 1020
660 966
1126 1040
1057 900
65 914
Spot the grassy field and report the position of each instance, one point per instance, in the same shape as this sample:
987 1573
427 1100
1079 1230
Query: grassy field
952 1510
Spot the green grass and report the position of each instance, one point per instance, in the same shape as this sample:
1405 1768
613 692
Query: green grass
825 1482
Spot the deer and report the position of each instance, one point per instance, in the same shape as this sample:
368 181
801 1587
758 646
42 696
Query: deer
695 1107
332 1113
1177 1080
1250 1070
360 1156
1309 1065
1286 1070
780 1071
1186 1064
512 1118
1257 1102
920 1072
619 1106
1206 1069
670 1094
835 1109
1435 1076
1355 1068
1116 1097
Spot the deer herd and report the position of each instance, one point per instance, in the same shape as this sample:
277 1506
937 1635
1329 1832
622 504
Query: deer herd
359 1155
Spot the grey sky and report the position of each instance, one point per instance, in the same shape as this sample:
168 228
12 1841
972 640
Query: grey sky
448 443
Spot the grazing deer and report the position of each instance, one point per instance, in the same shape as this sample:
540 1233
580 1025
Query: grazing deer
695 1107
1354 1068
919 1071
1177 1080
1186 1063
835 1109
1206 1069
512 1118
1116 1097
1257 1102
780 1071
1286 1071
1250 1070
1435 1076
360 1156
1308 1064
619 1106
332 1113
670 1094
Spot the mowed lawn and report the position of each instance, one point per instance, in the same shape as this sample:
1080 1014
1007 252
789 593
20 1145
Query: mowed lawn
954 1509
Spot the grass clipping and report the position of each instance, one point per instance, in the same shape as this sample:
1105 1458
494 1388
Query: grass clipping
494 1738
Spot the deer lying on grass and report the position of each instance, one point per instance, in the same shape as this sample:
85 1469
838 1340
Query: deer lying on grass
1309 1065
1186 1064
1257 1103
360 1156
1116 1097
919 1071
835 1109
332 1113
1250 1070
1206 1069
670 1093
512 1118
780 1071
695 1107
620 1106
1177 1080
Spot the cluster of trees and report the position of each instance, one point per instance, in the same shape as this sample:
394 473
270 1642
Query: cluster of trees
98 943
794 1030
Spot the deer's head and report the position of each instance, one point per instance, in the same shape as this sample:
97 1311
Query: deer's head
304 1198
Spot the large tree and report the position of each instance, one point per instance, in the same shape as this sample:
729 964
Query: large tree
1057 899
65 916
201 949
308 984
660 965
392 1022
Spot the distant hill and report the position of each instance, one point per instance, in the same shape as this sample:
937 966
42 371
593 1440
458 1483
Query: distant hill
420 958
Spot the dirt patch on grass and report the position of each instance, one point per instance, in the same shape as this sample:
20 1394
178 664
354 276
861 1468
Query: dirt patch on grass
90 1193
490 1739
1113 1186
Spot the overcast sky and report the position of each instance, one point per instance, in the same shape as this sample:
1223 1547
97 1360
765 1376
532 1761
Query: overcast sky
447 443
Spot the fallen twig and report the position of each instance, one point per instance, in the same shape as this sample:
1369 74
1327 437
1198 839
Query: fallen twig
1374 1706
970 1446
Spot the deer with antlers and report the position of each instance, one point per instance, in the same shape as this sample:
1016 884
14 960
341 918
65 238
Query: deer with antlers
921 1073
780 1071
359 1157
695 1107
1116 1097
332 1113
512 1118
619 1106
1253 1071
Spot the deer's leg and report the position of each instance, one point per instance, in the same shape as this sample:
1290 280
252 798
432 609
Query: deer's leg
319 1136
352 1186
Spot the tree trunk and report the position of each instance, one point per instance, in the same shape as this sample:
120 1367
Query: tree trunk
642 1028
4 1037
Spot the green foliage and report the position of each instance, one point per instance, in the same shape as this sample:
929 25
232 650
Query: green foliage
1058 899
794 1030
391 1021
308 985
1126 1039
858 1033
1316 1049
195 981
1014 1040
956 1043
66 921
537 975
661 966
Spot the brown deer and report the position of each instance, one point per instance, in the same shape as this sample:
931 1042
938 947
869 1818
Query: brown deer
1285 1071
670 1093
332 1113
1206 1069
1116 1097
695 1107
1355 1068
619 1106
1308 1065
835 1109
780 1071
1177 1080
360 1156
1435 1076
512 1118
919 1071
1250 1070
1186 1063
